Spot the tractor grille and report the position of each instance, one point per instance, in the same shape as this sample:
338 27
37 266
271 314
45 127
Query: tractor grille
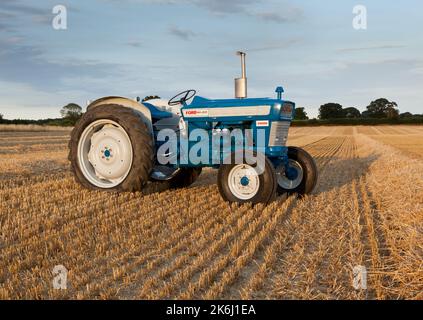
278 133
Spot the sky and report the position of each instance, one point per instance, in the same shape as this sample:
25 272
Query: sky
144 47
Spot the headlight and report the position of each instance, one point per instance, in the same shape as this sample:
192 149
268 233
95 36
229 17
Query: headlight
286 110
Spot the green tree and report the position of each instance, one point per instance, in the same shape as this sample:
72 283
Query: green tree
300 114
352 112
406 115
382 108
365 114
71 112
1 116
392 113
331 111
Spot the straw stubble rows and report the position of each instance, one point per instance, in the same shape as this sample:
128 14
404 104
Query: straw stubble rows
367 210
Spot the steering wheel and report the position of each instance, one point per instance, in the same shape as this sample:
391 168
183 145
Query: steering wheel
182 97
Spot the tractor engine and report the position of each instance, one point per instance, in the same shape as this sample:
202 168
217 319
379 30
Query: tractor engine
265 118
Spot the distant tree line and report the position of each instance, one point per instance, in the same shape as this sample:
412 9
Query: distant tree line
70 113
376 112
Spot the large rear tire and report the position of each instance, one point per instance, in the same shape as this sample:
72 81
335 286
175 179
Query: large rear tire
112 149
303 174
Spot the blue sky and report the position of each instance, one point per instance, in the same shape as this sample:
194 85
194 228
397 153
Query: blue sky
144 47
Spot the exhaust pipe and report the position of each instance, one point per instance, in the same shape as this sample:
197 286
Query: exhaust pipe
241 83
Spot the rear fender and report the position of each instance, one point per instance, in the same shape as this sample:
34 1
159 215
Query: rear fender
142 110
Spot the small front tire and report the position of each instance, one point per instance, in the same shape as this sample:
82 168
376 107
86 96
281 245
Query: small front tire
241 183
302 175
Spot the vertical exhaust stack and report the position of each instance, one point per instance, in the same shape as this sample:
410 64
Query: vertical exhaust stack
241 83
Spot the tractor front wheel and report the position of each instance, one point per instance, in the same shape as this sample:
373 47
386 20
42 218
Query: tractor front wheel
301 175
244 183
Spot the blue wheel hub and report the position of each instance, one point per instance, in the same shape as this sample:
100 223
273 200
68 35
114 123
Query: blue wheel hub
245 181
291 173
106 153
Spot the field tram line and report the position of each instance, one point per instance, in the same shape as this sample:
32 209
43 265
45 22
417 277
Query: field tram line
324 157
242 218
369 241
262 280
127 269
258 283
232 272
311 144
322 150
359 204
217 258
345 253
296 140
380 249
226 277
251 275
321 258
373 240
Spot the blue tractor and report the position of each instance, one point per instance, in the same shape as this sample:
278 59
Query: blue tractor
120 144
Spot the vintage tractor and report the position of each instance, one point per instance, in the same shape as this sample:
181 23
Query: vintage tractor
118 145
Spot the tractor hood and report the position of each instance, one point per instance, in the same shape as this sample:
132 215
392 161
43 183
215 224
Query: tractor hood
200 102
242 109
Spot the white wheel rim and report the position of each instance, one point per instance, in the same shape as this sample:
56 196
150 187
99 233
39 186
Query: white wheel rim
284 181
105 153
243 181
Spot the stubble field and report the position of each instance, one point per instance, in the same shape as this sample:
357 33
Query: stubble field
367 210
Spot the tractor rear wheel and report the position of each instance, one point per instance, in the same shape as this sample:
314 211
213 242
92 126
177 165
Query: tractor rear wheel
111 148
244 183
302 174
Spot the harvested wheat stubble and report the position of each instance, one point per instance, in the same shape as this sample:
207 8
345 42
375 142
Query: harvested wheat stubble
367 209
31 128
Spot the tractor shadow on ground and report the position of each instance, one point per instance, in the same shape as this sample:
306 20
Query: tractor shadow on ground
335 173
208 177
